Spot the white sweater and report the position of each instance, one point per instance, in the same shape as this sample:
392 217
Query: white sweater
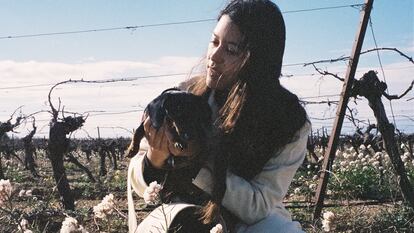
251 200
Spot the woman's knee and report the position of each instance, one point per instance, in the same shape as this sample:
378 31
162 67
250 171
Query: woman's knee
272 224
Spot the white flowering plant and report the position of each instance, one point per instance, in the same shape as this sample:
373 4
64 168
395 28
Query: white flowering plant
105 209
152 193
355 173
5 191
328 221
71 225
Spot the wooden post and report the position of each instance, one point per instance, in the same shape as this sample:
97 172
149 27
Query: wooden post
340 113
99 134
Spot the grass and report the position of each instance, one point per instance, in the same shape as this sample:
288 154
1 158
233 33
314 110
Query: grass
347 189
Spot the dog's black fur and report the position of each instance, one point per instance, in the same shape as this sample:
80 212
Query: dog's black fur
188 119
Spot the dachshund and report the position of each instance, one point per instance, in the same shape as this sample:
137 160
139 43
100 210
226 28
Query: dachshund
188 119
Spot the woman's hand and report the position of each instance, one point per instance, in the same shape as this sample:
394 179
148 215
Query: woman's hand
158 144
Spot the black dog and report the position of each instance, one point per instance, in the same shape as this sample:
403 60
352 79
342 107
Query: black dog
188 119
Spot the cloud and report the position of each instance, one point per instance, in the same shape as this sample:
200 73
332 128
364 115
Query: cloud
134 95
81 97
33 72
410 48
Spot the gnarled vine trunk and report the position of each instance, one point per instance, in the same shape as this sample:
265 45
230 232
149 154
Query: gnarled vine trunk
58 145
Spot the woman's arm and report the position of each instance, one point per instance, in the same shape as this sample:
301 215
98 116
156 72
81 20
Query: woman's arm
145 166
253 200
136 175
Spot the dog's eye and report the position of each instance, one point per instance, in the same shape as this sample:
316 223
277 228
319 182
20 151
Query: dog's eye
186 136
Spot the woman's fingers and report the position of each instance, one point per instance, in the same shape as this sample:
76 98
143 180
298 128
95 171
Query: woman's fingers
156 138
160 140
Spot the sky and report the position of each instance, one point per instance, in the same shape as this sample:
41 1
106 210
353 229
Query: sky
159 51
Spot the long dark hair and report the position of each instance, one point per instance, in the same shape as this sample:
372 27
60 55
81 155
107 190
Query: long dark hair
258 116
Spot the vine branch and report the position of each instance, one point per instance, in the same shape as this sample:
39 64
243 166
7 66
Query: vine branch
345 58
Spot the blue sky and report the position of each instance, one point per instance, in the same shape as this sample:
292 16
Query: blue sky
311 35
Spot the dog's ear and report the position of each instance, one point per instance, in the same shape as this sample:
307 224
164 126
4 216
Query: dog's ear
135 142
156 111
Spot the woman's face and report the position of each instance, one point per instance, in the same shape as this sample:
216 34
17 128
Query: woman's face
224 55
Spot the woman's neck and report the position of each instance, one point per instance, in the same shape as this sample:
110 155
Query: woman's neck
220 96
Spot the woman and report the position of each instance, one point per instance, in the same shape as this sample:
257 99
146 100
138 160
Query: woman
263 129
